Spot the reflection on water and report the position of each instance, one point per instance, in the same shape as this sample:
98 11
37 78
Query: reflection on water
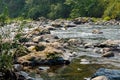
74 71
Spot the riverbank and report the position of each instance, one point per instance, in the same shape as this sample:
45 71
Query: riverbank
43 42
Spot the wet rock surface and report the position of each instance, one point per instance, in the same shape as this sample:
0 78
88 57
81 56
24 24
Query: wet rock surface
111 74
102 45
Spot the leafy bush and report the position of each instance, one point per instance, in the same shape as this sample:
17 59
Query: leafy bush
107 18
6 61
113 9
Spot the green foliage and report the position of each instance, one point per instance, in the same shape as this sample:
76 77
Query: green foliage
6 56
36 8
53 55
4 16
6 61
107 18
58 11
9 50
20 51
61 8
113 9
89 8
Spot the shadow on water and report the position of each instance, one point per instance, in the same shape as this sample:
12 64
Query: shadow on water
74 71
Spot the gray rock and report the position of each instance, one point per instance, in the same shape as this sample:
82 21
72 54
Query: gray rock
18 67
44 68
23 75
111 74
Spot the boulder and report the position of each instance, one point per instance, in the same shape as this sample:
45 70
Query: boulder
48 38
17 67
56 23
111 42
89 45
111 74
80 20
108 54
39 31
50 28
73 41
104 50
69 24
37 39
28 44
36 57
36 48
23 76
97 50
24 39
100 78
36 31
52 45
95 31
32 48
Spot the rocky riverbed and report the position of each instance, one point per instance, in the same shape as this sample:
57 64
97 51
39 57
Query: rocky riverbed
49 46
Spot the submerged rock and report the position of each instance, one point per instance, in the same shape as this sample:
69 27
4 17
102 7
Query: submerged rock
44 68
23 76
108 54
84 61
95 31
111 74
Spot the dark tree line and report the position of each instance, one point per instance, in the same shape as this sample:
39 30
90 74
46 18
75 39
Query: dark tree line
61 8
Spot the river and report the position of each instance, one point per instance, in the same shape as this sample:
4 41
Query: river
77 70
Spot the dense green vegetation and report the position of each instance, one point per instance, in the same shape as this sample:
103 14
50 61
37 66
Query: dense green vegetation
61 8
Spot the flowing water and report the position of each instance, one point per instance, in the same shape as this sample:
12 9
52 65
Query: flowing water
78 70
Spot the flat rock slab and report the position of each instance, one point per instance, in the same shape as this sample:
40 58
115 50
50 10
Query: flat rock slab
111 74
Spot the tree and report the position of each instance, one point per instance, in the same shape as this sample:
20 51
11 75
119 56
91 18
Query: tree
89 8
59 10
4 16
113 9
